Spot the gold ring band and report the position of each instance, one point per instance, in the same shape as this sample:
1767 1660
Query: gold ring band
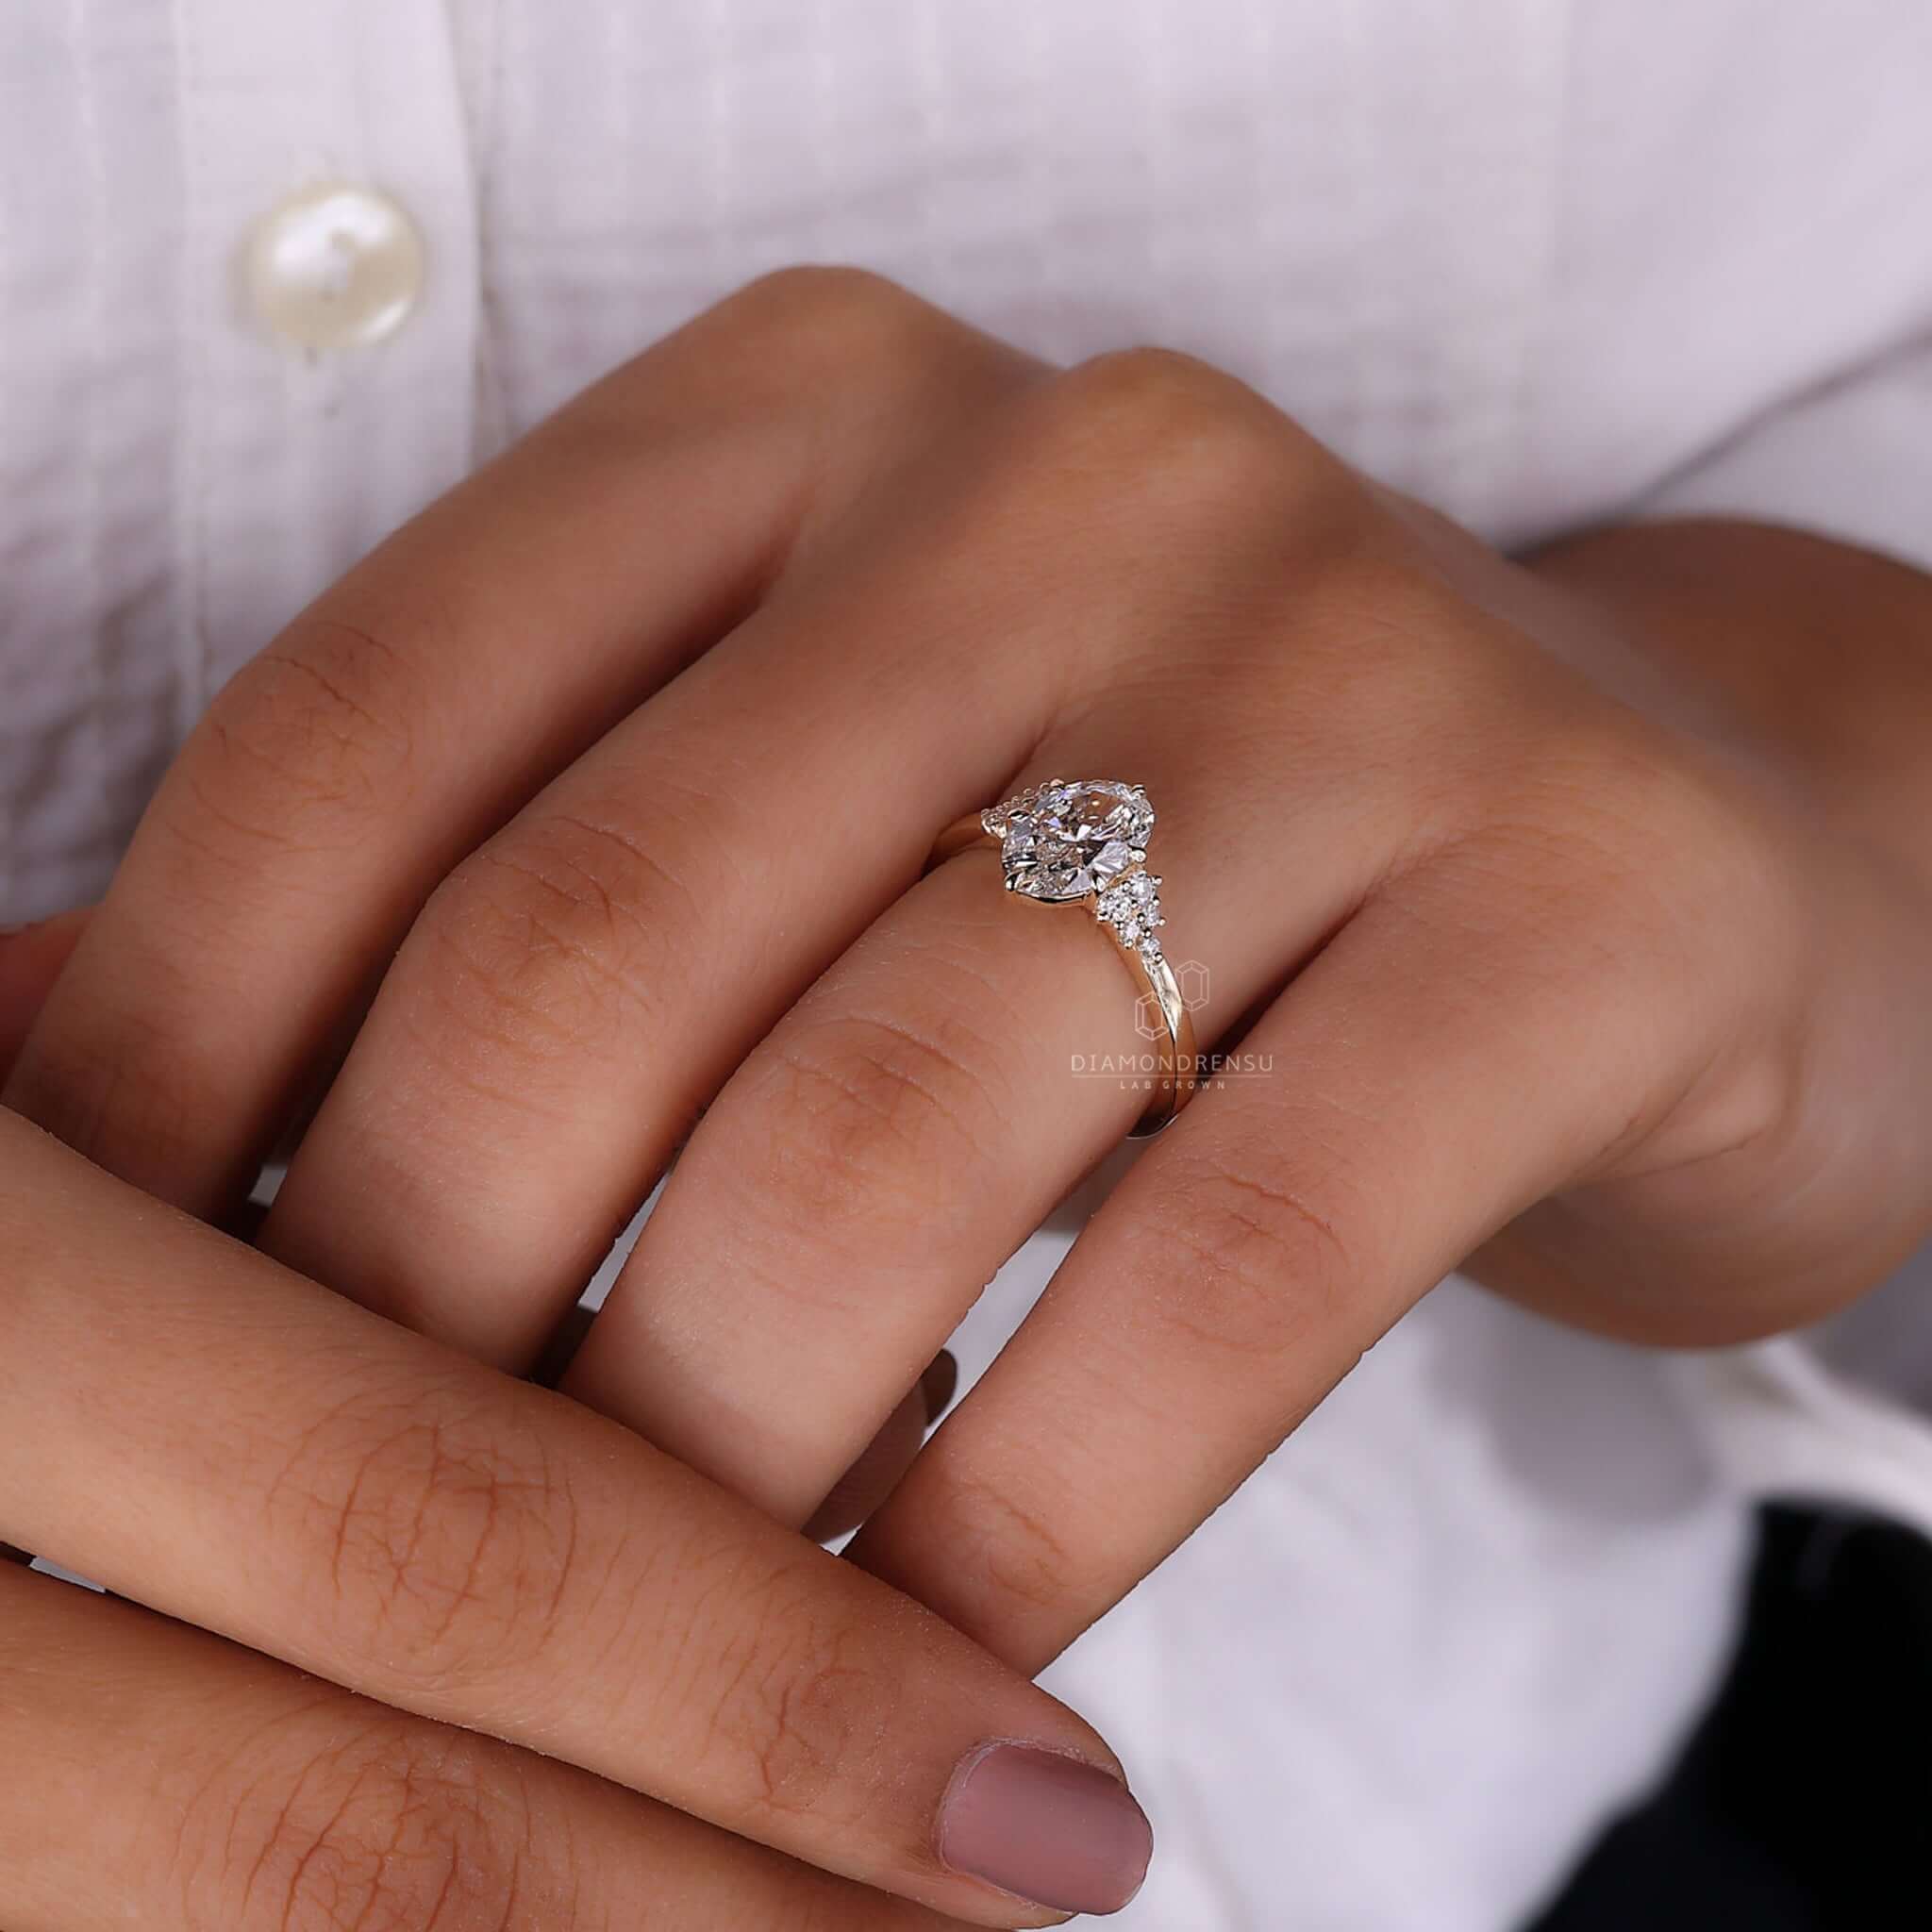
1084 842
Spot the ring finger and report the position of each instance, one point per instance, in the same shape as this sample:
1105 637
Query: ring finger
908 1124
582 985
904 1127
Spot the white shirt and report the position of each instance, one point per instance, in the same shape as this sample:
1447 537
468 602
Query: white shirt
1539 262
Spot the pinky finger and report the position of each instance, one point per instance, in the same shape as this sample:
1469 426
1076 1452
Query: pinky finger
1390 1113
151 1773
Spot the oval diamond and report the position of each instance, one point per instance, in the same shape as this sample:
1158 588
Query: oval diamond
1068 840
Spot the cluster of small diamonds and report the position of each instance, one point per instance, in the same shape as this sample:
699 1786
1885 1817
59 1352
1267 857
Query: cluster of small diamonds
1132 908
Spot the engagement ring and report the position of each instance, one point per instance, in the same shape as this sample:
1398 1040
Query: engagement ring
1084 842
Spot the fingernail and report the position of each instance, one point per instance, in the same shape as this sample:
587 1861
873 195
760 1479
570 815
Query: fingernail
1045 1827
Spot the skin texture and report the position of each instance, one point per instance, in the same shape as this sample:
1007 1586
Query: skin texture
204 1432
585 821
235 1792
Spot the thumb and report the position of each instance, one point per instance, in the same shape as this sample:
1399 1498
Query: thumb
31 958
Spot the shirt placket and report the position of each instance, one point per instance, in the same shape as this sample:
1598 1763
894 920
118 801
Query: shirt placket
297 455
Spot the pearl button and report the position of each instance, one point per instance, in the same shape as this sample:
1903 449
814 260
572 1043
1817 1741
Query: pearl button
334 268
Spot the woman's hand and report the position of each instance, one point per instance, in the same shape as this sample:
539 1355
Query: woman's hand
209 1435
152 1775
634 747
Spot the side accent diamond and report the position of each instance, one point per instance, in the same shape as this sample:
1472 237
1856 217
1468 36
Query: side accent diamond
1132 907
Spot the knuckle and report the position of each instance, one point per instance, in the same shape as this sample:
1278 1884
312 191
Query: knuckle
538 941
1001 1554
131 1094
389 1826
1176 444
850 359
856 1110
1668 804
443 1540
799 1718
1270 1262
307 745
815 306
1603 827
1159 386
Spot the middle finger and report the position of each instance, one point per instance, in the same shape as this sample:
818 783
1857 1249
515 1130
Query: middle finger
579 987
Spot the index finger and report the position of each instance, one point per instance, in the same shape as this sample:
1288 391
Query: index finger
266 1802
408 713
348 1496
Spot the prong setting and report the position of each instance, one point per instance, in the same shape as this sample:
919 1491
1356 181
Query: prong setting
1085 841
1071 839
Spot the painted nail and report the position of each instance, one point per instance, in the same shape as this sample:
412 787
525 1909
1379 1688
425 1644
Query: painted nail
1045 1827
